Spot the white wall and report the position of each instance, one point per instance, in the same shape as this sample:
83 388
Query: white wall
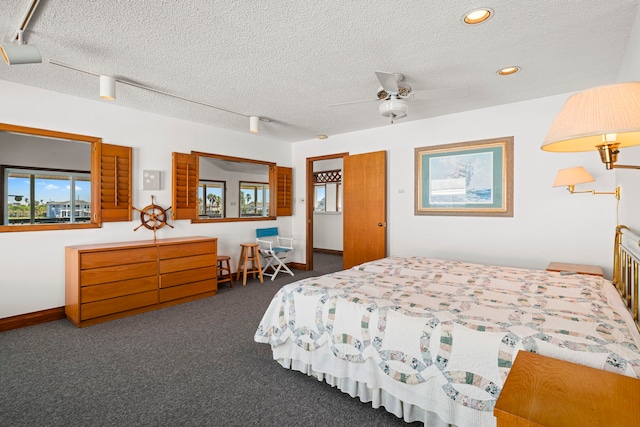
628 179
32 263
548 223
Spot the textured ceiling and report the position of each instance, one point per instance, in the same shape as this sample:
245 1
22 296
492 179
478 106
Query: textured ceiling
288 61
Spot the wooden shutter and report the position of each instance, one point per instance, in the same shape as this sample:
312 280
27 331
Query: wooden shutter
115 182
284 192
184 186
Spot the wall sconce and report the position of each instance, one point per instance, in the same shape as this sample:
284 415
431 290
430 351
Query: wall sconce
605 118
579 175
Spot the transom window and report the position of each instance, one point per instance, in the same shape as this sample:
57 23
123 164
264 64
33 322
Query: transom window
327 191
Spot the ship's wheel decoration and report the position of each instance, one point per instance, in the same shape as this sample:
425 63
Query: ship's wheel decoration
153 217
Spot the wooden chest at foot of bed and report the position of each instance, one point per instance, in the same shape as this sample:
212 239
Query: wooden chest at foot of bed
542 391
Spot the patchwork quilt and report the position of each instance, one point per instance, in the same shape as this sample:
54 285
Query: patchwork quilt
442 334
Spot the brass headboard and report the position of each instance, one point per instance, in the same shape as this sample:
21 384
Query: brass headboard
625 268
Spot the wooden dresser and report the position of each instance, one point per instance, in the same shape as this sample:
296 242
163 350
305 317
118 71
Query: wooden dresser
542 391
113 280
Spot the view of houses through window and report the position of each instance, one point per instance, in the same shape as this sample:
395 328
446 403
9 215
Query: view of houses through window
254 199
39 196
211 199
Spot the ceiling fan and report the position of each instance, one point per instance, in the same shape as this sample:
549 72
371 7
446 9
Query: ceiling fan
394 90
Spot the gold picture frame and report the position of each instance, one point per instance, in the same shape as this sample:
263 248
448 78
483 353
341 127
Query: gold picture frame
473 178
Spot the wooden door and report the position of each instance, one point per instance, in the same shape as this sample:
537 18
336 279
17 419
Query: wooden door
364 208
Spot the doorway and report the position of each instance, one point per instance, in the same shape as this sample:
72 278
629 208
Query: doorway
364 201
311 196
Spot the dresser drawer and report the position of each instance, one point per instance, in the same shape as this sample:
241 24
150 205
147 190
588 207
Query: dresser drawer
118 289
117 257
117 273
187 249
187 263
117 305
181 277
183 291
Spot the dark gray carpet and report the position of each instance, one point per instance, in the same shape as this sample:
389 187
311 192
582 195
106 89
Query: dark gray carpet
194 364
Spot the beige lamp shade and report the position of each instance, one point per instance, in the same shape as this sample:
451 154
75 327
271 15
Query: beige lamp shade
572 176
588 116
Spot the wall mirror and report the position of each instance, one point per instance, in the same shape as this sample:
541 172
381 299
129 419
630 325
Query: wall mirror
234 189
47 180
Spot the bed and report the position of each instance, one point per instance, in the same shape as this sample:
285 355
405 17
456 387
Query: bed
433 340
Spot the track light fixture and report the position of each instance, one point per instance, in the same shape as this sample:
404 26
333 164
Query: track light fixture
107 88
253 120
15 50
254 124
18 52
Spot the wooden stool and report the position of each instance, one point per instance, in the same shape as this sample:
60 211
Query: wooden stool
224 270
249 252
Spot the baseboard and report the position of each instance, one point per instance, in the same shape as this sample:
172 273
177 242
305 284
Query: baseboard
297 266
328 251
30 319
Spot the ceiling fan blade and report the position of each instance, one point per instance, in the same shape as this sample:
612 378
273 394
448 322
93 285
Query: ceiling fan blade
434 94
354 102
387 81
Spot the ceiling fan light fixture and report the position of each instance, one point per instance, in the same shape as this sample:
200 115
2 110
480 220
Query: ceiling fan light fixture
394 108
477 16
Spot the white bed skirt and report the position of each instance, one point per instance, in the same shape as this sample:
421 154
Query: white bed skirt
408 402
377 397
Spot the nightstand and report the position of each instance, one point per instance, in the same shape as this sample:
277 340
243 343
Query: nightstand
542 391
592 270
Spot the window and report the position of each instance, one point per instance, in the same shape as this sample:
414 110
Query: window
320 198
254 199
45 197
327 191
211 199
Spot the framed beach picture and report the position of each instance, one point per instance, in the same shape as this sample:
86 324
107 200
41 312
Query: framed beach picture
473 178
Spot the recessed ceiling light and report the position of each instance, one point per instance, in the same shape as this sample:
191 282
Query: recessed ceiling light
322 137
477 16
508 70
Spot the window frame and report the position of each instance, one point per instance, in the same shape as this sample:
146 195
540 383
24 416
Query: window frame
184 187
202 185
96 214
317 187
266 196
